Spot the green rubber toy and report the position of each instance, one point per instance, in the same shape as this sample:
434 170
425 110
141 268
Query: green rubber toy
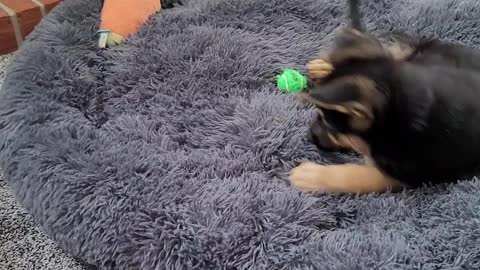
291 81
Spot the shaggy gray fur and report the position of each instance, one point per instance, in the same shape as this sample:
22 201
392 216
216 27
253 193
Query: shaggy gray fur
170 152
23 245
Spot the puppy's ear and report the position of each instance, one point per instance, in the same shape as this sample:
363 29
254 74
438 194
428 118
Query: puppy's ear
351 44
401 46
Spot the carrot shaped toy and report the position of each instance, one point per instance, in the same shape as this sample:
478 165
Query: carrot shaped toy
121 18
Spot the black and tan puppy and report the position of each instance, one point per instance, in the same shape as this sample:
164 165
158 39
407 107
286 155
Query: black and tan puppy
415 104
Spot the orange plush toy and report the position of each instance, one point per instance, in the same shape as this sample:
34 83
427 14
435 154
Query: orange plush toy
121 18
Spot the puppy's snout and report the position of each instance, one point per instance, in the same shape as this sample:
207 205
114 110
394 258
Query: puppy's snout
320 135
310 136
327 139
315 131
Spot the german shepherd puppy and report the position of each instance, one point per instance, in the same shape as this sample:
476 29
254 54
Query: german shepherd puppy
413 102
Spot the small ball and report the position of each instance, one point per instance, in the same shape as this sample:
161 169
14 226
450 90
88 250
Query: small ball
291 81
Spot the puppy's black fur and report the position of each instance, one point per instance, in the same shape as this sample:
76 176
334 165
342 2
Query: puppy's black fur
422 111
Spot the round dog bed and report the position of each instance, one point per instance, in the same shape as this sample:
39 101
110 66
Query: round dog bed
171 150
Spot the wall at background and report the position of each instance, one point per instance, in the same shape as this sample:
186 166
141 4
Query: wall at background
18 18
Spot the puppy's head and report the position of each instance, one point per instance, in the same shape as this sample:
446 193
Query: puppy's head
346 105
351 99
353 45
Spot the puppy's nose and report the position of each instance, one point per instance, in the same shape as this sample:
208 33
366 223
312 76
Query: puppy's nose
310 136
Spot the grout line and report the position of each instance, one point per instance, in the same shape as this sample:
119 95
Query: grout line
41 6
15 23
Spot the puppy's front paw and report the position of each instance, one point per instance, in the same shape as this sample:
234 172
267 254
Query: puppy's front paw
318 69
345 178
310 177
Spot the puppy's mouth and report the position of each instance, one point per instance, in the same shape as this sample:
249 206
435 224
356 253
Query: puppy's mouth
353 142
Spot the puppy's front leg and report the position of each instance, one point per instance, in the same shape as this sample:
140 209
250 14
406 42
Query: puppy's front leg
318 69
347 178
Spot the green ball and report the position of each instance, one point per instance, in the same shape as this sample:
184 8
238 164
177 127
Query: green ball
291 81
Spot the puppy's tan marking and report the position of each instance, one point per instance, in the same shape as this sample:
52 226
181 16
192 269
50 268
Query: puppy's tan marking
360 123
398 52
341 142
318 69
347 178
344 107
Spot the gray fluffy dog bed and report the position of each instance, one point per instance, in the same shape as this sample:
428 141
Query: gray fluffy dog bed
171 151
